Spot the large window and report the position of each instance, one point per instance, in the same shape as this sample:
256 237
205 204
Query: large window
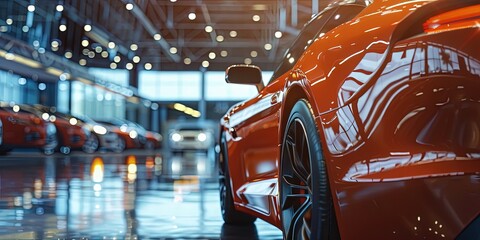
187 86
13 88
217 89
170 86
117 76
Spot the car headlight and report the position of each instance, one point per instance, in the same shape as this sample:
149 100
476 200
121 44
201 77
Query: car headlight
73 121
202 137
176 137
45 116
99 129
133 134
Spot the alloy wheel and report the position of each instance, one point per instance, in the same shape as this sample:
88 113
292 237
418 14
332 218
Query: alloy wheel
296 183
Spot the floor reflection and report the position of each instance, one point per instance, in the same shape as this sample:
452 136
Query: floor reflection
111 196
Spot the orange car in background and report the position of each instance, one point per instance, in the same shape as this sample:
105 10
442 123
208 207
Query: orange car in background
368 129
72 133
24 129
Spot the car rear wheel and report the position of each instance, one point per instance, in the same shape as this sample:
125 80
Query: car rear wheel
306 203
119 146
149 145
229 213
91 144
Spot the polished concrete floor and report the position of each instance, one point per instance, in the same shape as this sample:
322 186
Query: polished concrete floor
134 195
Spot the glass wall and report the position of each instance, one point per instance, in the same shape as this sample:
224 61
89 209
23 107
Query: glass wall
186 86
170 86
96 102
14 88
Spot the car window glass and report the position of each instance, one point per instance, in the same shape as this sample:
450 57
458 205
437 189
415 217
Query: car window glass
320 25
343 14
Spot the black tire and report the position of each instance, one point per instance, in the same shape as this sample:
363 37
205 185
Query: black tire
149 145
92 144
307 210
229 213
120 145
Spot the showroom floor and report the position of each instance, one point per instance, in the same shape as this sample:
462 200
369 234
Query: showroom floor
110 196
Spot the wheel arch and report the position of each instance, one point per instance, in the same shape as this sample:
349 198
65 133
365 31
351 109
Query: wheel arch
293 94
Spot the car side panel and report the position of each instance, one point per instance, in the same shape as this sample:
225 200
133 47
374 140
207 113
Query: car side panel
253 148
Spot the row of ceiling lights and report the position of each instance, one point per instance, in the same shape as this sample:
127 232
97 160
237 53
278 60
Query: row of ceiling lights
136 59
220 38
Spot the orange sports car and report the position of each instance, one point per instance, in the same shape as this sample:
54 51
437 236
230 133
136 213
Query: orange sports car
368 129
22 128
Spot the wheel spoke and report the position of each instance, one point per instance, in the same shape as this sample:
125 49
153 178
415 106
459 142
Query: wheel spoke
290 199
293 183
297 220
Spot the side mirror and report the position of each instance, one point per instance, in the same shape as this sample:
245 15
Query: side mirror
245 74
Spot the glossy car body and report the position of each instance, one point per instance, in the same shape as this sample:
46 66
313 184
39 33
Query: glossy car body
129 134
393 93
23 129
107 136
72 133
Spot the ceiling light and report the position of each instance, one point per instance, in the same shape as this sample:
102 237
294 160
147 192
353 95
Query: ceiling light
148 66
42 86
220 38
192 16
173 50
22 81
62 28
129 6
82 62
212 55
247 61
25 29
68 55
205 64
111 45
259 7
278 34
113 65
133 47
87 28
253 54
104 54
98 49
233 34
157 36
208 29
85 42
129 66
223 53
117 59
268 46
187 61
31 8
9 21
59 8
256 18
173 1
55 43
91 54
136 59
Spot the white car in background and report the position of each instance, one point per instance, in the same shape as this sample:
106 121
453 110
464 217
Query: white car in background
191 148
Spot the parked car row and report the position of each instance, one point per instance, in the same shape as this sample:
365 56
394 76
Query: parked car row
37 126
